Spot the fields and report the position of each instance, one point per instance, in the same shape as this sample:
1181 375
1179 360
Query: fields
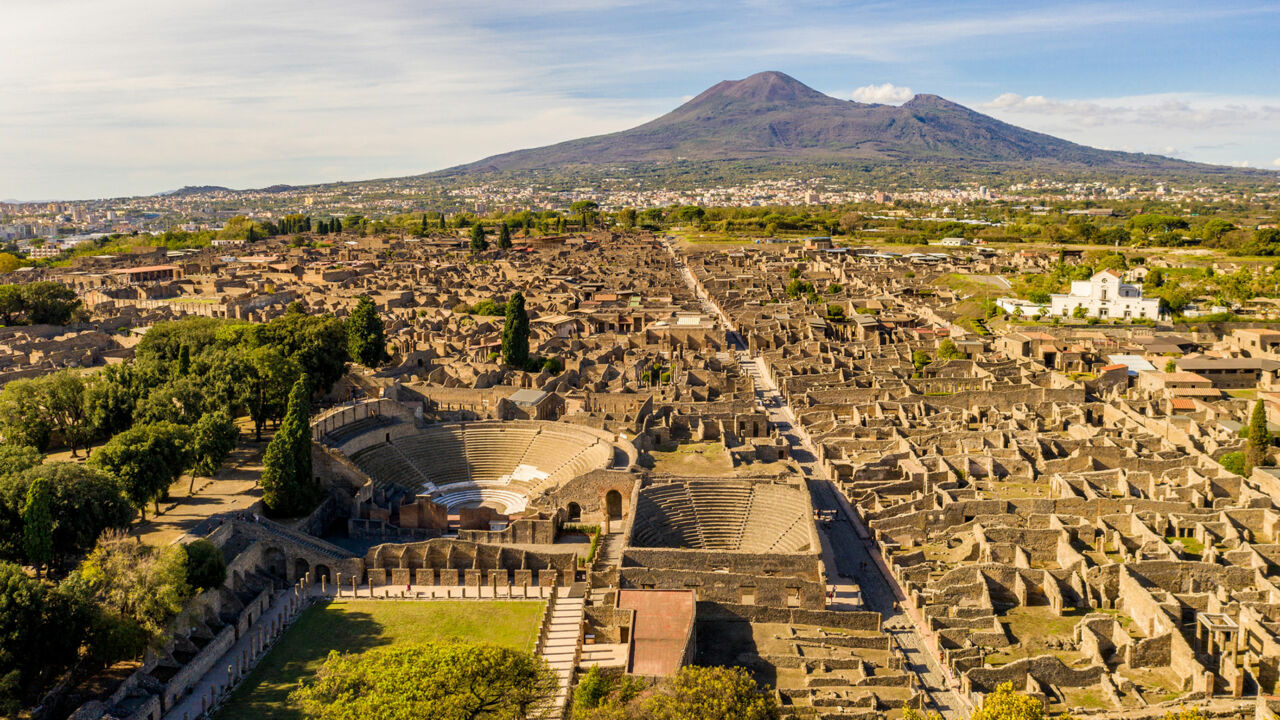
358 625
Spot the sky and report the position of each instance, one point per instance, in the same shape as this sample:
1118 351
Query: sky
109 98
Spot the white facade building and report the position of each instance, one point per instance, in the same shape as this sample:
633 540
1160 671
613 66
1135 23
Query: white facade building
1105 296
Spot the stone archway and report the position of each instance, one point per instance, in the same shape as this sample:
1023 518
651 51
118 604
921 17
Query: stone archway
322 571
276 564
300 568
613 504
575 512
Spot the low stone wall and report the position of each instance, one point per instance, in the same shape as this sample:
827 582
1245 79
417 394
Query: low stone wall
733 612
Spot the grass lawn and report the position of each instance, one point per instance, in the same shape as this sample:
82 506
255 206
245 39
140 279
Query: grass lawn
358 625
705 459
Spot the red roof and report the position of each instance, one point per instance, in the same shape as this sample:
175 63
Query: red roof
1117 366
1182 403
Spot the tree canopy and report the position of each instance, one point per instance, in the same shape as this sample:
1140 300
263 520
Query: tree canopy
438 680
82 503
147 459
366 337
288 486
515 333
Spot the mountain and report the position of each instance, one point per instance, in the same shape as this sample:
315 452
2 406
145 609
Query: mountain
772 116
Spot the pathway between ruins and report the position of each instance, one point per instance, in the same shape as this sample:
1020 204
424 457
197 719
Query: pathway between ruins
858 568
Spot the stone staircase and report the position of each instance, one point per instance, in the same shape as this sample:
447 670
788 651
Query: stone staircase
560 645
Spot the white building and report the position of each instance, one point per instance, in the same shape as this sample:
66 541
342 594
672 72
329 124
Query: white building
1105 296
1021 308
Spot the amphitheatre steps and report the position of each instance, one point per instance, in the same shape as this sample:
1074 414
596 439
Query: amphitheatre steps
723 514
467 463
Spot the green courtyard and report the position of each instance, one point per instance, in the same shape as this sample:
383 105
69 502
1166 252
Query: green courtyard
359 625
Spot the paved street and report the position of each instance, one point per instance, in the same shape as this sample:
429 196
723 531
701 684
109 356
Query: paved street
856 571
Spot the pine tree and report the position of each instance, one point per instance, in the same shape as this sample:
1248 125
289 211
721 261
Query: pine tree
478 243
366 336
335 226
424 224
184 361
504 237
37 525
515 333
288 486
1259 438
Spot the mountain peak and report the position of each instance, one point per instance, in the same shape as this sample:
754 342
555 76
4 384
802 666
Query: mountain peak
770 87
924 100
771 116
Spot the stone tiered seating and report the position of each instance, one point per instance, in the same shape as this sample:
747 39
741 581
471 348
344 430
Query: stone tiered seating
439 453
493 452
723 514
502 462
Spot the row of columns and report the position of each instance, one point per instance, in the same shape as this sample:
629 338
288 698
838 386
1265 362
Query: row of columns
262 636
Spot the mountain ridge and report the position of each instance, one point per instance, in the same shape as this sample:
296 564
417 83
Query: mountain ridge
772 116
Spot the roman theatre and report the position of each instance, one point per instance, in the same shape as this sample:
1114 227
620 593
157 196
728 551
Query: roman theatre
481 474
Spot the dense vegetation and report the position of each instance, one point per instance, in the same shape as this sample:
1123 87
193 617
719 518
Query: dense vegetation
171 410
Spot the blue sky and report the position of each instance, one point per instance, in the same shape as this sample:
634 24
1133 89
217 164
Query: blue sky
103 98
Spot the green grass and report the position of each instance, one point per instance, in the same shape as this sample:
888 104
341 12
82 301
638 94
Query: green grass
1190 544
359 625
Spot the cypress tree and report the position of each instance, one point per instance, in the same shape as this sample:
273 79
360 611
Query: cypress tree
515 333
336 225
366 336
288 486
1259 438
37 525
478 243
504 237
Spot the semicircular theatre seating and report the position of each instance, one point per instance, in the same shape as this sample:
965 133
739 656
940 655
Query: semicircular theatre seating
520 459
722 514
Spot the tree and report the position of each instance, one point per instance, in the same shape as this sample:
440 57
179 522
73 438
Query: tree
23 420
9 262
442 680
147 459
82 500
1233 462
110 398
711 693
139 587
288 486
515 333
947 350
1005 704
627 218
41 629
366 339
212 440
504 237
919 359
1259 437
585 210
206 567
1079 312
37 525
478 242
266 392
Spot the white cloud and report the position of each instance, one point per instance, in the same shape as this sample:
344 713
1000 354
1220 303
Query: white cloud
1204 127
886 94
1276 162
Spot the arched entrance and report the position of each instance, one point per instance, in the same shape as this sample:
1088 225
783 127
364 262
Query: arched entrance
575 512
276 564
300 568
322 571
613 504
